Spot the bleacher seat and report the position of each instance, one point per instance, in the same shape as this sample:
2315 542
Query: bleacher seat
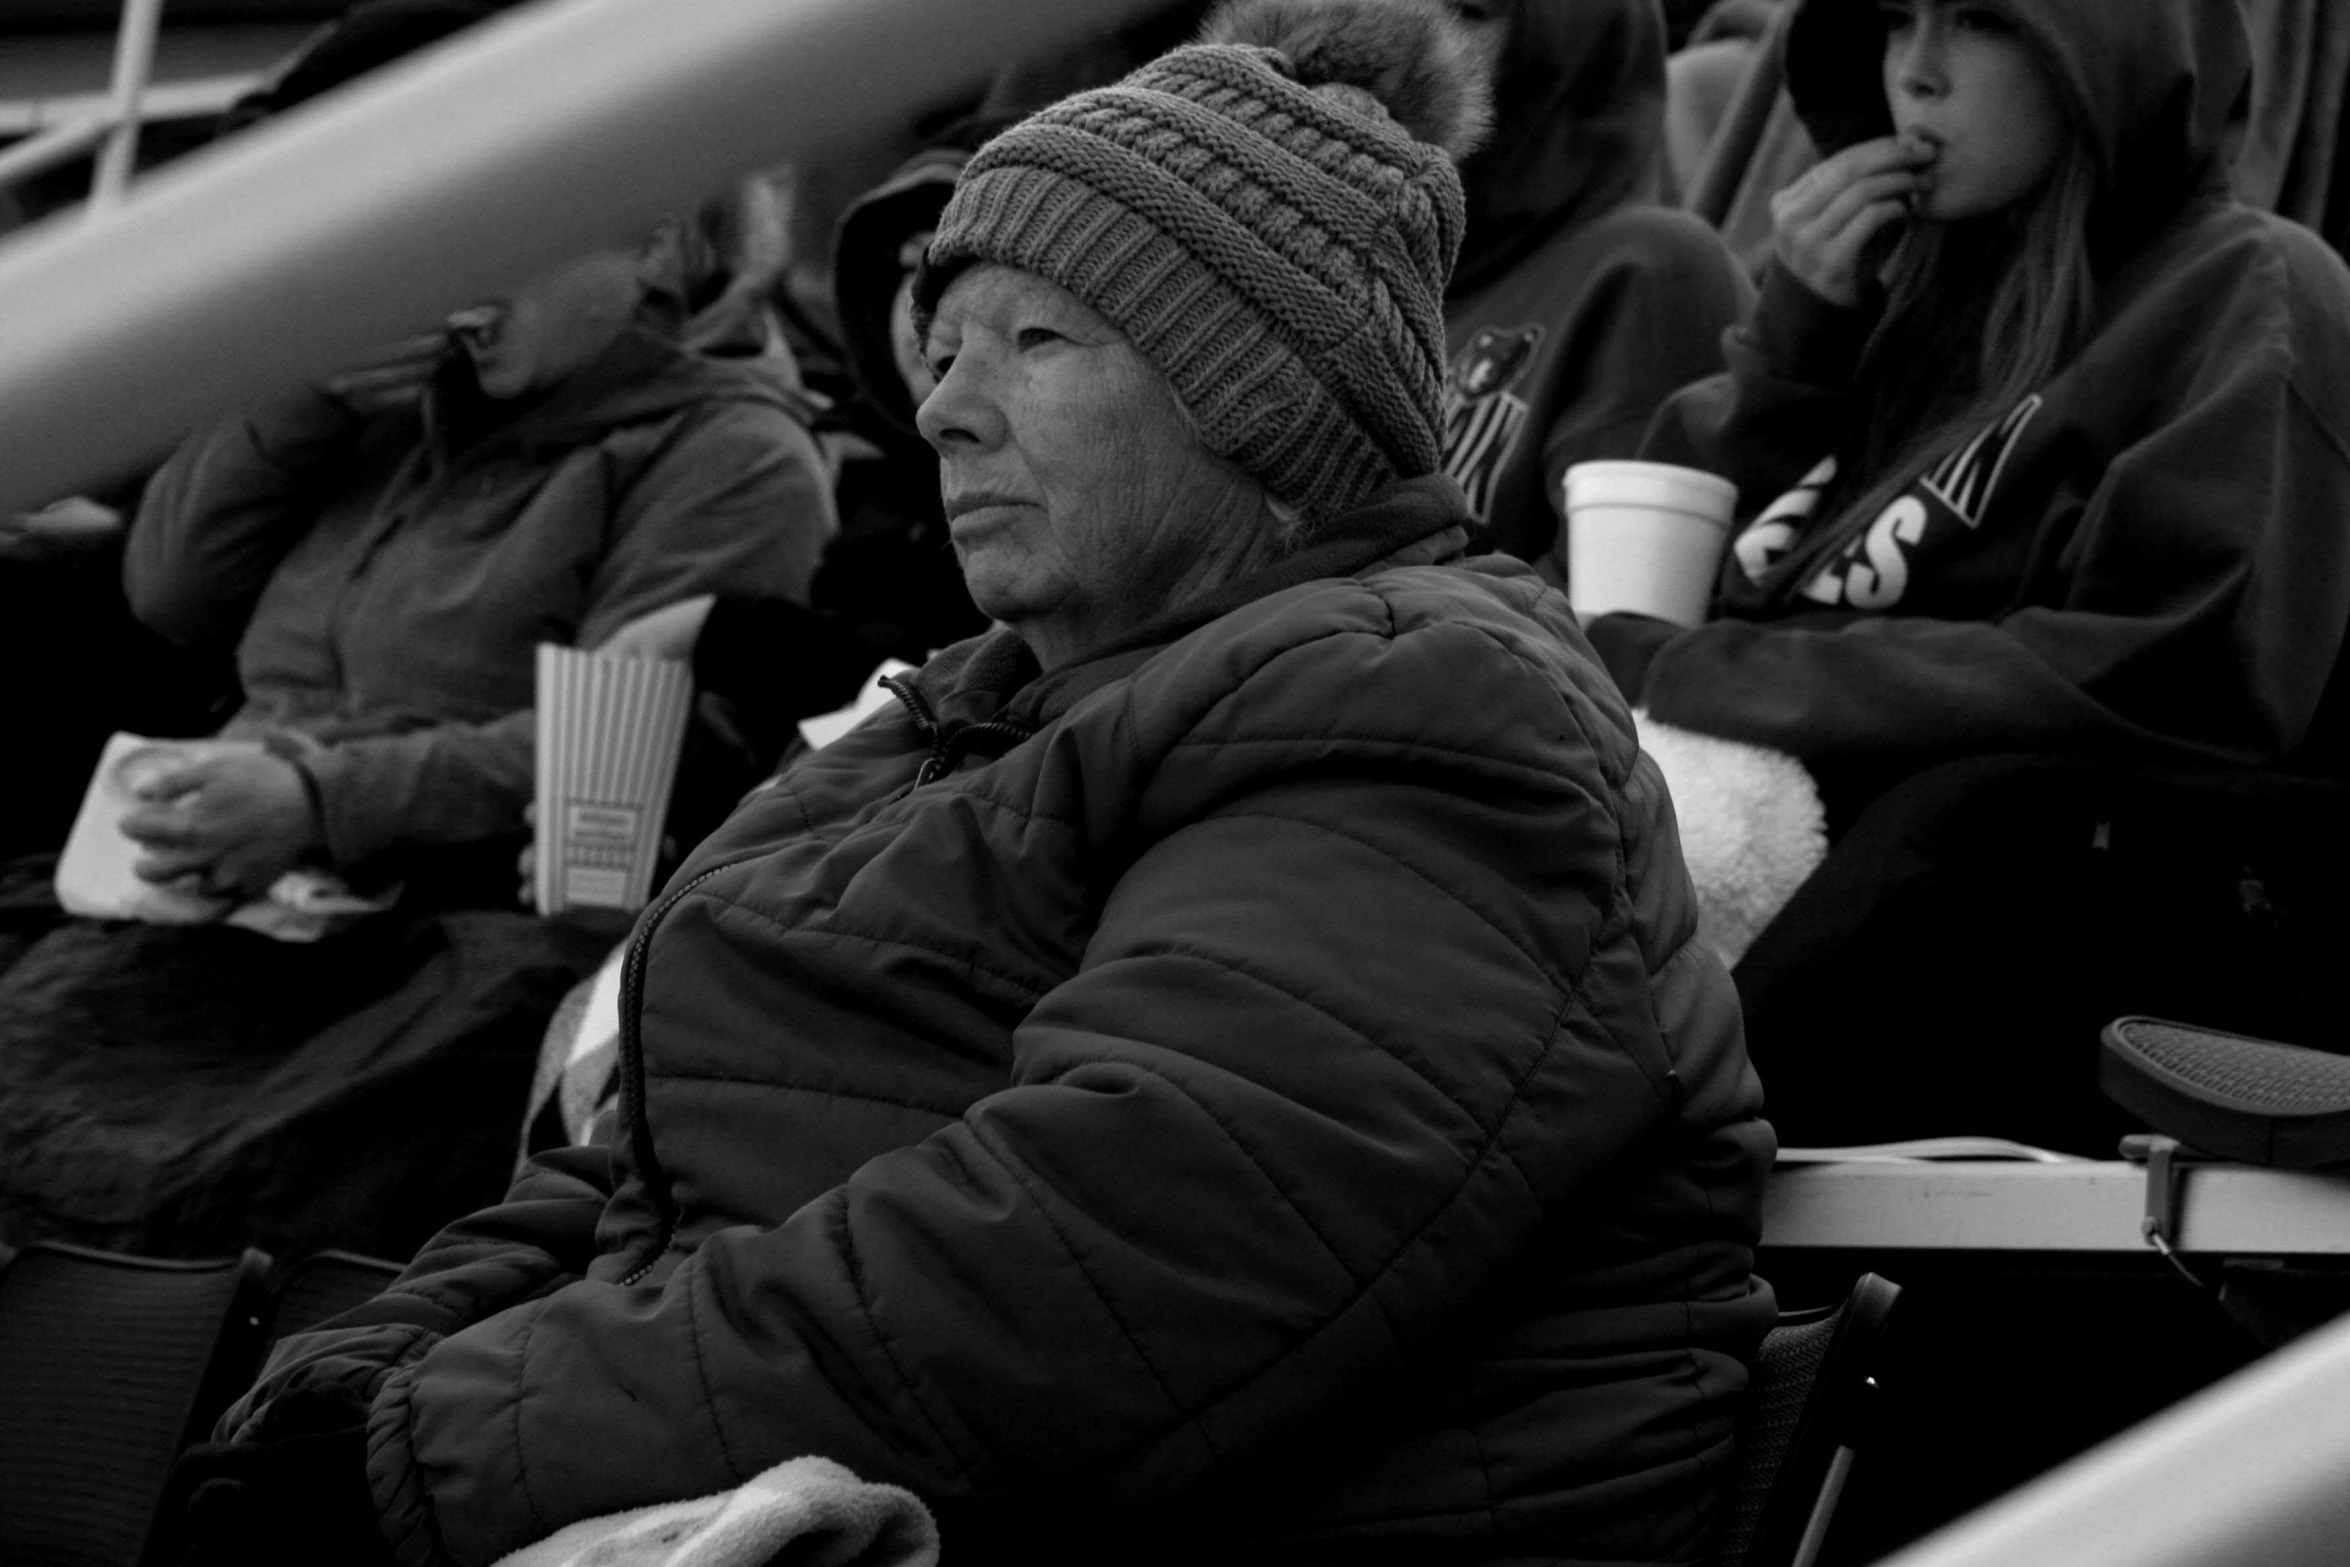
326 1284
1804 1420
108 1366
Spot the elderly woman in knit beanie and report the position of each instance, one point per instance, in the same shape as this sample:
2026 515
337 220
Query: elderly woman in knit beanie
1219 1068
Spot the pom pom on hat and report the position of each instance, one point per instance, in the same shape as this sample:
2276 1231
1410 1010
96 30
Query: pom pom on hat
1265 223
1409 56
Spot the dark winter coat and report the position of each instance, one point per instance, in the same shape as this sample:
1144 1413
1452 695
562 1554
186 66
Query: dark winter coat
1250 1095
384 579
2146 556
1579 304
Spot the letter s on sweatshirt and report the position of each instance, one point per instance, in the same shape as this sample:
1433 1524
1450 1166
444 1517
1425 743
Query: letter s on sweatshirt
1879 584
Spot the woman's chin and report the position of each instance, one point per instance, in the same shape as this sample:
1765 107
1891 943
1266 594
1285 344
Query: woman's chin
999 599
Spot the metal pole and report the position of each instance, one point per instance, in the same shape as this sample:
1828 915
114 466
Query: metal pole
288 250
45 150
134 63
2254 1472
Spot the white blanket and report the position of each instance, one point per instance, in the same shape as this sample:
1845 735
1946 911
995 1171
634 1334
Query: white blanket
804 1512
1751 828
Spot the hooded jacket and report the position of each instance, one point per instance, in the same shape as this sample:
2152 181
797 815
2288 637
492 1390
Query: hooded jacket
1578 304
1250 1095
384 579
892 564
890 586
2147 555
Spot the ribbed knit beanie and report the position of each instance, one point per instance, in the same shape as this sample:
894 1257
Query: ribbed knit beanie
1270 217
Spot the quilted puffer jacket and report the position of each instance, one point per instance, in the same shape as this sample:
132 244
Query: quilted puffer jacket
1249 1096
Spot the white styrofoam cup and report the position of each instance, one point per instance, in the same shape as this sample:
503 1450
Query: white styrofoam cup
1645 537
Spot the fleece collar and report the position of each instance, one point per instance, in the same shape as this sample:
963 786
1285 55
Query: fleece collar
993 677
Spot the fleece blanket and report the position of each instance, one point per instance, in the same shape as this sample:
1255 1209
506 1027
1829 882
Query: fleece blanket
1752 828
804 1512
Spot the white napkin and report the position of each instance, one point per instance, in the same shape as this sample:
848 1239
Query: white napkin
872 697
96 879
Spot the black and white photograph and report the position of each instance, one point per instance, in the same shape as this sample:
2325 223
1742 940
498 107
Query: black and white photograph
1177 783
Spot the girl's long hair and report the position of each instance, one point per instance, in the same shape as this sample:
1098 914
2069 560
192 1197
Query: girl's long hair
1950 357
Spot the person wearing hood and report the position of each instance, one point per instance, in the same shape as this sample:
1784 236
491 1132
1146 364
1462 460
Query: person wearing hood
888 586
1220 1068
1579 303
60 566
2042 443
382 552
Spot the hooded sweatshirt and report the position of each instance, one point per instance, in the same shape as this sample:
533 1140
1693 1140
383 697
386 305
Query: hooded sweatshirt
890 585
2146 555
1578 304
893 562
385 578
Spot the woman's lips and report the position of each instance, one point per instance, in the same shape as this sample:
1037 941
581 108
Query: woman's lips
960 506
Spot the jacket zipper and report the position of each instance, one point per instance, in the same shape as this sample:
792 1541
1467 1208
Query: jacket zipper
948 751
925 721
632 1053
945 748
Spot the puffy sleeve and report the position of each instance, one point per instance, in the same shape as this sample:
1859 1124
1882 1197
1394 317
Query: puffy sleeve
739 501
1358 1017
540 1237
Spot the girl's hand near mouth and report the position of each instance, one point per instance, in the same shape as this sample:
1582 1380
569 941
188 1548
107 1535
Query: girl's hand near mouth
393 377
1832 224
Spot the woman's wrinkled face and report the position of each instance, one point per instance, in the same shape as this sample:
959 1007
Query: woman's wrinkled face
1961 77
1080 502
552 326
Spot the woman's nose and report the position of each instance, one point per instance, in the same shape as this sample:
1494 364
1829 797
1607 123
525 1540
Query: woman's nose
1919 69
960 414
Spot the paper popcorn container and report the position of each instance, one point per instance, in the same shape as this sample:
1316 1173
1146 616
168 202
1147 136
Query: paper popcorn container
609 733
1645 537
